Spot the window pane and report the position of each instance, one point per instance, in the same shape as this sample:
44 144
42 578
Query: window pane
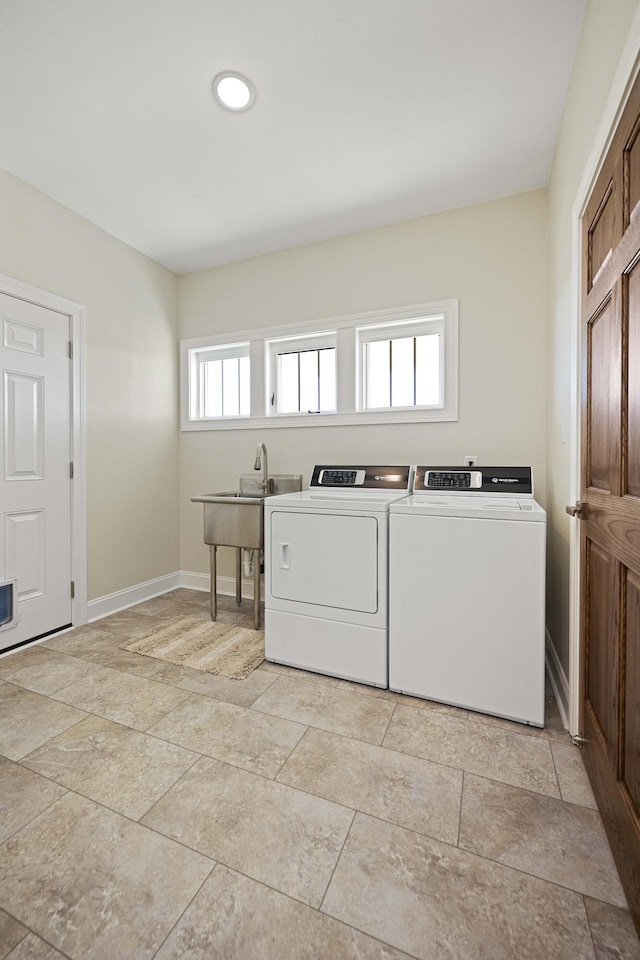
428 369
328 379
212 388
288 383
245 387
309 381
402 372
230 388
377 373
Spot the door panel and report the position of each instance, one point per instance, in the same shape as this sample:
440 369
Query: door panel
632 693
600 648
610 524
35 489
599 405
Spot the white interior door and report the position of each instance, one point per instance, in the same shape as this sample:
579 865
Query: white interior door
35 436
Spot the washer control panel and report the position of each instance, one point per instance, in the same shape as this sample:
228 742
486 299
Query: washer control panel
496 481
341 477
453 480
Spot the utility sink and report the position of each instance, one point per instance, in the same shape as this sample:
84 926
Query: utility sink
235 518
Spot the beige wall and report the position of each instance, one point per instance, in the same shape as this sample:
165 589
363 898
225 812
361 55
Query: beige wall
492 257
132 426
604 33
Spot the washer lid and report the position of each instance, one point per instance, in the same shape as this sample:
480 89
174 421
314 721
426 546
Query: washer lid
479 508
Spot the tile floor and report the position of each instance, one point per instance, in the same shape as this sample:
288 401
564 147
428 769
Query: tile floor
148 810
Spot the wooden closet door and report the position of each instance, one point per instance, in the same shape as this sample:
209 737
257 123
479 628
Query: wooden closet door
610 535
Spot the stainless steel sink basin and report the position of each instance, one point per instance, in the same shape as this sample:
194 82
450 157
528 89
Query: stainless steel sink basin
235 518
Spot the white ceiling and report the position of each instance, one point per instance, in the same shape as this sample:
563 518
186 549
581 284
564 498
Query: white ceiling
368 112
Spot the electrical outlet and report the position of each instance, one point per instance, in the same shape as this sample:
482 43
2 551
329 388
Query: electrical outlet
470 460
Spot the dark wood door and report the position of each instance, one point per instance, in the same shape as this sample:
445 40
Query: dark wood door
610 528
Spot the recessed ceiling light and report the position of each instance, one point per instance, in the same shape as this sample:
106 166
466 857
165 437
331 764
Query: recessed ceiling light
233 91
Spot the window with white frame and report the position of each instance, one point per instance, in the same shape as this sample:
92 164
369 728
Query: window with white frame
220 382
302 374
395 366
401 364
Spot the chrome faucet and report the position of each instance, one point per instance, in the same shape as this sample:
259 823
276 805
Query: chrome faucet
267 485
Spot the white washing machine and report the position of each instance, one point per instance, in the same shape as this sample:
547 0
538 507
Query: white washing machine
467 591
326 572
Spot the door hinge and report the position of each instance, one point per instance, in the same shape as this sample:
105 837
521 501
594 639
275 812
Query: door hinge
71 470
579 740
73 589
70 349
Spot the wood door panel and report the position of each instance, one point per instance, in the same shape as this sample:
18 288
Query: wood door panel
632 312
601 233
632 176
600 338
631 749
614 524
600 642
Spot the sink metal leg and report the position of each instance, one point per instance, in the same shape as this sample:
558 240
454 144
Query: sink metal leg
238 575
256 589
214 577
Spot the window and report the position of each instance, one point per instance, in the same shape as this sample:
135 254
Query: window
396 366
401 365
220 382
302 374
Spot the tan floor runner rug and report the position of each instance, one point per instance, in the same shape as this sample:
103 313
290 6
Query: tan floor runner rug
231 650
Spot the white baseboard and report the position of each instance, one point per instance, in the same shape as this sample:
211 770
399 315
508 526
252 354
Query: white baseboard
114 602
558 680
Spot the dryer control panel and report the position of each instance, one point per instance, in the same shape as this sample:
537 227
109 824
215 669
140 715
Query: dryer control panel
361 477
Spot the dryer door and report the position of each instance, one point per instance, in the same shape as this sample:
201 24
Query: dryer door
326 559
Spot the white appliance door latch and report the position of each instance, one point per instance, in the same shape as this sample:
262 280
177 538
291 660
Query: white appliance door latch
284 560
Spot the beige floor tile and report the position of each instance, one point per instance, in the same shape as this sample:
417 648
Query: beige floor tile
162 607
81 641
23 796
433 900
547 838
284 671
11 933
135 663
235 918
338 711
269 831
129 623
572 776
115 765
241 692
34 948
27 720
227 732
408 791
613 932
96 885
134 701
418 702
43 671
479 748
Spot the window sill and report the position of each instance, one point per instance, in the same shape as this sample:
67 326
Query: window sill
355 419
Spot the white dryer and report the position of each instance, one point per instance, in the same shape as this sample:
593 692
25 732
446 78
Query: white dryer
467 591
326 563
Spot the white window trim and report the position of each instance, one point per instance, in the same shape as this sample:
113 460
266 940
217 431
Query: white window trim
348 371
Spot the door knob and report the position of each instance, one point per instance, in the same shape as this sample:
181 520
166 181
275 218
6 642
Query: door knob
576 510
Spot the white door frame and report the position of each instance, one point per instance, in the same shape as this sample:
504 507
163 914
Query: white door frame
620 88
77 314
